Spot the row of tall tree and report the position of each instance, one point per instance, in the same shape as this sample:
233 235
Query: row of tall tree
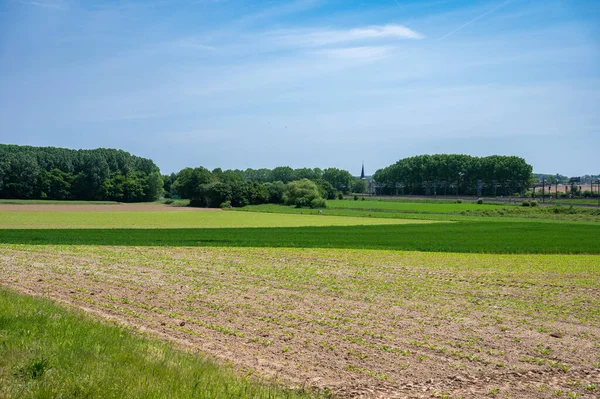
59 174
251 187
455 174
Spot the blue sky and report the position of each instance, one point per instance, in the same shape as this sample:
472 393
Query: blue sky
315 83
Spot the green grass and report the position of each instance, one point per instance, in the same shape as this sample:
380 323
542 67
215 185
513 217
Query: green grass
496 237
481 213
48 352
54 202
184 219
401 206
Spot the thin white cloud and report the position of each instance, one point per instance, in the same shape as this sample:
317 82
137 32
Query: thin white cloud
475 19
324 37
358 53
193 44
41 4
400 5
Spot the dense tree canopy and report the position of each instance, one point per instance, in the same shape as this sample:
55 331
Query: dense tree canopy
58 173
329 181
302 187
455 174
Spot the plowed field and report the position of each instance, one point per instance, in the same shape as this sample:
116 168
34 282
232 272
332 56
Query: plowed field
360 323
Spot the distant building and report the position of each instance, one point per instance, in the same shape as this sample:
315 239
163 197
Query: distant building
369 179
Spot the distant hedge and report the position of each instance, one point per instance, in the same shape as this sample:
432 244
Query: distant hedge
62 174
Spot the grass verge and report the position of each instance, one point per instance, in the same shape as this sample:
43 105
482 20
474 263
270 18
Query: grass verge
48 352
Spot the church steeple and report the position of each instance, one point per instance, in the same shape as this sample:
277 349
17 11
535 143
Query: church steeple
362 171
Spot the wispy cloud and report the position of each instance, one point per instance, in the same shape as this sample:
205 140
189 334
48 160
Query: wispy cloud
193 44
324 37
474 19
358 53
400 5
41 4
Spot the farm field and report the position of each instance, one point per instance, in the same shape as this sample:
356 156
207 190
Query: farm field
418 302
391 323
161 216
477 237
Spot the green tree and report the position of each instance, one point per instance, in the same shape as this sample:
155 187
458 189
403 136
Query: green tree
359 186
340 179
189 182
301 192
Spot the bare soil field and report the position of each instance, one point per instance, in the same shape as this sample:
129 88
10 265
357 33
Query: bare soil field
360 323
98 208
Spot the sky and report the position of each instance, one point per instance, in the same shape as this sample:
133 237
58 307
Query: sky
305 83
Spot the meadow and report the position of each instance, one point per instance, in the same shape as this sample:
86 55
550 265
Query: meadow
412 207
274 301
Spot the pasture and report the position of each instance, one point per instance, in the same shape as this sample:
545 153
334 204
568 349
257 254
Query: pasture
412 207
295 304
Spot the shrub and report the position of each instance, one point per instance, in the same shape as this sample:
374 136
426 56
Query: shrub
300 202
318 203
525 203
362 199
169 201
355 197
533 203
340 195
458 201
480 201
301 189
226 205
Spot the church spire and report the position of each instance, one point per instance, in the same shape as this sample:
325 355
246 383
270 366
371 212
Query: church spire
362 171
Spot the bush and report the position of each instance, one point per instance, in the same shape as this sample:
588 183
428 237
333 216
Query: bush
301 189
480 201
169 201
355 197
340 195
525 203
226 205
318 203
533 203
458 201
362 199
301 202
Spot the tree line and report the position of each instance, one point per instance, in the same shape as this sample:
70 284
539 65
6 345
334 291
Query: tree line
62 174
237 188
455 174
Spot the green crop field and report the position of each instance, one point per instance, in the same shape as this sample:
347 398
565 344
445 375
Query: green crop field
496 237
180 220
